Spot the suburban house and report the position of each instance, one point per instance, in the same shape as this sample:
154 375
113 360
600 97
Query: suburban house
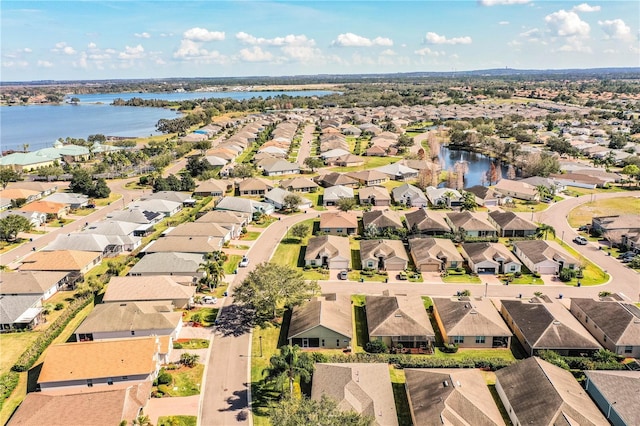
73 367
70 261
434 254
329 251
510 224
333 153
534 391
616 229
149 289
169 263
540 323
199 229
374 196
490 258
212 188
397 171
199 245
441 197
299 184
335 178
120 234
382 219
141 217
49 208
244 205
233 221
339 223
35 218
73 200
551 184
276 197
485 196
254 186
409 195
471 322
364 388
278 166
399 320
384 255
86 242
426 223
544 257
517 189
577 180
42 188
183 198
472 224
369 177
322 322
122 404
42 283
130 319
347 160
616 394
450 396
166 207
614 324
333 194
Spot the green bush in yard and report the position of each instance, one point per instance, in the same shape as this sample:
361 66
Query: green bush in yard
566 275
376 347
8 383
164 378
450 348
413 361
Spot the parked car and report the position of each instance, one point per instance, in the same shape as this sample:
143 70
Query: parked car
584 228
402 276
580 240
244 262
343 275
210 300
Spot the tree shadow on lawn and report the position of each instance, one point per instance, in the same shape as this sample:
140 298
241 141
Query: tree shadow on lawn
284 328
235 320
263 395
362 332
402 404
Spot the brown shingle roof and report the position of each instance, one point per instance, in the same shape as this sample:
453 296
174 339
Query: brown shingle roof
333 314
60 260
511 221
620 322
397 316
472 317
158 287
540 250
338 220
331 245
33 282
425 222
382 219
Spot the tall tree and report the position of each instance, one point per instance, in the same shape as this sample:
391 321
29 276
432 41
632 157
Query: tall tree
300 230
81 182
492 174
289 364
469 202
544 229
11 225
543 191
346 204
313 163
305 411
8 175
511 172
213 273
292 202
270 286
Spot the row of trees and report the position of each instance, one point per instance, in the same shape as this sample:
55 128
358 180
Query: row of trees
83 183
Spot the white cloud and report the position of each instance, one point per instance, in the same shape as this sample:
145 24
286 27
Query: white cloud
142 35
15 64
202 34
425 51
288 40
255 54
192 51
302 53
585 8
68 50
388 52
574 44
566 24
503 23
354 40
60 44
92 45
501 2
27 50
433 38
63 47
135 52
45 64
615 29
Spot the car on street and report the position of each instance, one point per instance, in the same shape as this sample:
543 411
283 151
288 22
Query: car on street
244 262
580 240
343 275
584 228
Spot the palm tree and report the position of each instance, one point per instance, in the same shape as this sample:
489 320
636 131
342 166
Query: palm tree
545 229
542 191
469 202
142 420
449 195
288 365
213 273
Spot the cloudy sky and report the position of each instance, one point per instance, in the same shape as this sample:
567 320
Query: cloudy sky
133 39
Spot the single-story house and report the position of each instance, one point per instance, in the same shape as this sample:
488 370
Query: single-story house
534 391
364 388
471 322
434 254
86 242
73 367
200 245
422 222
490 258
328 250
42 283
439 197
616 394
335 178
450 396
517 189
333 153
374 196
544 257
73 261
130 319
199 229
254 186
322 322
43 188
485 196
409 195
212 187
278 166
8 195
73 200
399 320
141 217
386 255
347 160
382 220
35 218
334 194
112 228
183 198
20 311
339 223
150 288
369 177
169 263
299 184
166 207
244 205
49 208
276 197
473 224
510 224
540 323
397 171
614 324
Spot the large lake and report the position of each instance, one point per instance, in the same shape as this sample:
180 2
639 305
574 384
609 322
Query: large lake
478 164
40 125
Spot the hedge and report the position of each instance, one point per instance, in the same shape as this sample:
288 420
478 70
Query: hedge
8 383
33 352
413 361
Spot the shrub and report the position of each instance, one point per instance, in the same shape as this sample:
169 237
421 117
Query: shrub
536 275
450 348
189 360
164 378
566 275
518 274
8 383
59 306
376 347
177 345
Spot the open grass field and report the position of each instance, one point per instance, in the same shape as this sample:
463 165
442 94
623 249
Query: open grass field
12 346
582 215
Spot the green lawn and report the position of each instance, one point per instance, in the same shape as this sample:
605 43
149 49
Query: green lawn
262 394
462 278
177 421
264 222
369 163
231 264
526 206
523 279
186 381
12 345
583 214
400 396
101 202
463 354
83 212
207 315
592 274
288 251
250 236
191 344
360 330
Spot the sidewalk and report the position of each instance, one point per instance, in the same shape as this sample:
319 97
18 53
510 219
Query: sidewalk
176 406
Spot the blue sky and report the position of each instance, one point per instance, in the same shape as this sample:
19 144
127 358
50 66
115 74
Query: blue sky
155 39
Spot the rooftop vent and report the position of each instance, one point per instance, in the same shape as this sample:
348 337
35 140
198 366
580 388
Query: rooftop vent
445 384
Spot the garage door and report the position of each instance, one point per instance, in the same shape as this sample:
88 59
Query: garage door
547 270
429 267
338 264
486 270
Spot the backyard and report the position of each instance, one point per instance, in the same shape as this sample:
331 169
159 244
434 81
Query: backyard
582 215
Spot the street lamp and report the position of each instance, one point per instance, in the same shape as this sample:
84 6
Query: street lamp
531 213
486 287
260 338
562 238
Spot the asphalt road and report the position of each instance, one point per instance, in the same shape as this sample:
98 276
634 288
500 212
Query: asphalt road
305 144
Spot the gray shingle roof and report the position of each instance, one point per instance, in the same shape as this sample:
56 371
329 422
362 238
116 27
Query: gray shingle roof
473 317
620 322
167 263
130 316
620 388
397 316
333 314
